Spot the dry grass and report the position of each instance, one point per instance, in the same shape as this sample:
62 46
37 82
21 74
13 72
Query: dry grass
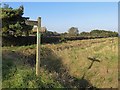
70 64
74 55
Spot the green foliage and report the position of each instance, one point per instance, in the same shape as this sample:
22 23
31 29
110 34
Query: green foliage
73 31
24 77
12 21
48 33
7 67
62 39
103 33
99 33
27 80
84 34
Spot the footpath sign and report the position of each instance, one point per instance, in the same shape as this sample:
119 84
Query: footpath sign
38 31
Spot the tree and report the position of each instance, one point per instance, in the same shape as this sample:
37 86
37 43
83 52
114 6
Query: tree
84 34
103 33
73 31
12 21
48 33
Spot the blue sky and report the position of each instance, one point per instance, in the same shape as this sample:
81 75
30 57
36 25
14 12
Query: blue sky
60 16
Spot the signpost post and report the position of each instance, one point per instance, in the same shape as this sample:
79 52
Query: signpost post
39 31
38 47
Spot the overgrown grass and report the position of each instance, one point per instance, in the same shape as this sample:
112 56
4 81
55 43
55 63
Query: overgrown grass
80 63
24 77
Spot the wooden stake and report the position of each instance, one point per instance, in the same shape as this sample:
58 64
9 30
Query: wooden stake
38 48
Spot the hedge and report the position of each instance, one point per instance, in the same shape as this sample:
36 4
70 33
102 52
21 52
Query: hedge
29 40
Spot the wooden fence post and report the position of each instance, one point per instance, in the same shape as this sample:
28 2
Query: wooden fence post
38 47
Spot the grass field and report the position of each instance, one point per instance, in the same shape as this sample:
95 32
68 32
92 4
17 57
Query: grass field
80 63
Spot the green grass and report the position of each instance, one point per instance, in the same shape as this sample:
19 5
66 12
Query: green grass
63 65
24 77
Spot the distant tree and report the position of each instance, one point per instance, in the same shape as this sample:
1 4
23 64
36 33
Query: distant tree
64 34
56 33
62 39
47 33
12 21
73 31
84 34
103 33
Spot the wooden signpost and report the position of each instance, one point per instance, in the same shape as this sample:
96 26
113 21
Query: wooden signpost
38 48
38 24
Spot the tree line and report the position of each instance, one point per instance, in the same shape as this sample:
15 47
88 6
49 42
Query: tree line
13 24
74 32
